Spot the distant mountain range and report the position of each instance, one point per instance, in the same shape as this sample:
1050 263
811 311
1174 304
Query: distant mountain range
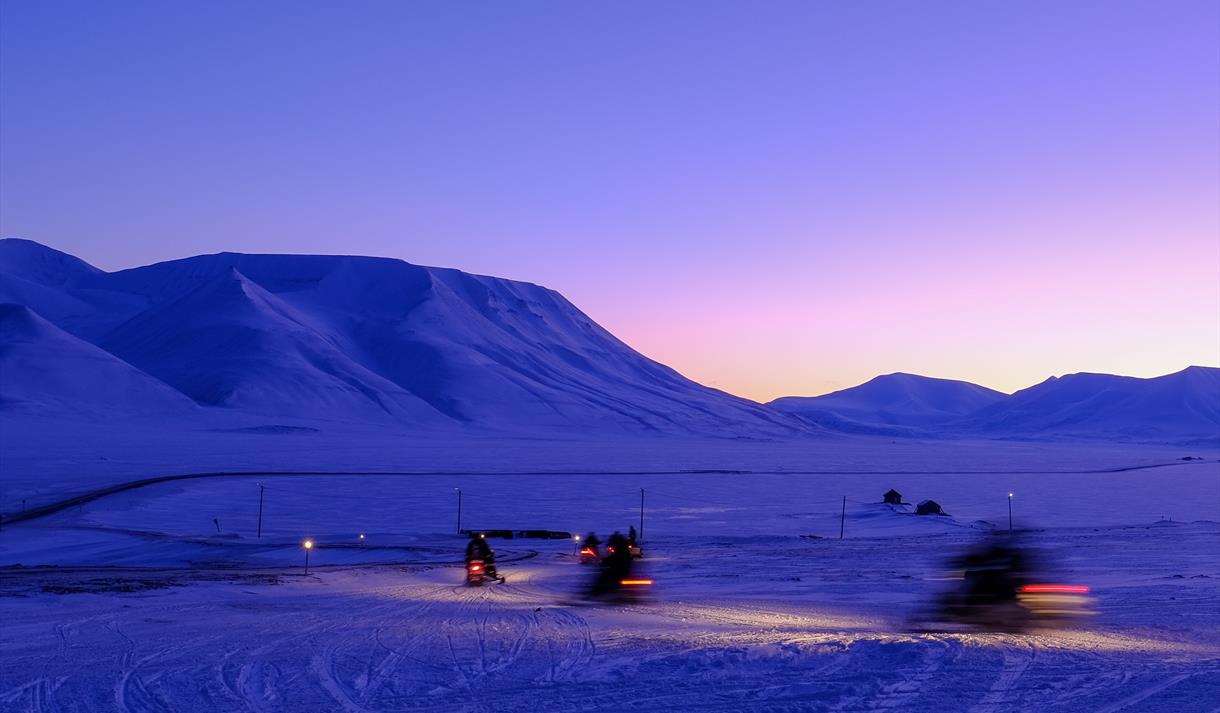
359 339
1180 407
893 403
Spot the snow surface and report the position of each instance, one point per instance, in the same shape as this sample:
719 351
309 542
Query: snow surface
145 606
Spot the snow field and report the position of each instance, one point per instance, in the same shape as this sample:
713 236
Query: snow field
746 614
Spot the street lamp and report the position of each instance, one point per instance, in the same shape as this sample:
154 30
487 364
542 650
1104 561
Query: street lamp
308 545
1010 513
576 547
362 538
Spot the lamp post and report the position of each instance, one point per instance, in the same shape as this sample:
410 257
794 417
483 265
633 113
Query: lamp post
576 546
362 538
308 545
261 489
1010 513
459 510
641 514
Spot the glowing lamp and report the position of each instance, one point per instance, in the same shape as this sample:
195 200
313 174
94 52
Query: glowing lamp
308 544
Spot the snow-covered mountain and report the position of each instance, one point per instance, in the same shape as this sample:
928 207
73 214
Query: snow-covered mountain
893 403
39 264
1181 406
370 339
46 370
375 340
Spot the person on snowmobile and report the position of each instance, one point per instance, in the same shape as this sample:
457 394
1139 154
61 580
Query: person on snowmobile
592 542
631 536
616 566
994 574
478 549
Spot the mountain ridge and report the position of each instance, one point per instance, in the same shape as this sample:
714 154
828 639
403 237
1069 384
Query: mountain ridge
356 338
478 350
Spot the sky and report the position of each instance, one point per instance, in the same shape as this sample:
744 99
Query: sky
780 198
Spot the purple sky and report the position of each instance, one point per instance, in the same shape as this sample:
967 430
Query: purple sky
774 198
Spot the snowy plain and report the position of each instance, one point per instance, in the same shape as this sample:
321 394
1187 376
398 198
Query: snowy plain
135 602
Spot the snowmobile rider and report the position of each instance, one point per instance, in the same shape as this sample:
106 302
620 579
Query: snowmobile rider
616 565
994 573
631 536
478 549
592 542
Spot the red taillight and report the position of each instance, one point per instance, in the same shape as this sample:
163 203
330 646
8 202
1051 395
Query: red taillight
636 582
476 567
610 550
588 551
1054 589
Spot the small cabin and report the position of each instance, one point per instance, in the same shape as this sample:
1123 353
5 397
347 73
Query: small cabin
929 507
892 497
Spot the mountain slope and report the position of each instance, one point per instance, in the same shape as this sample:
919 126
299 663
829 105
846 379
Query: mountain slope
1182 405
227 342
38 263
892 403
263 332
44 369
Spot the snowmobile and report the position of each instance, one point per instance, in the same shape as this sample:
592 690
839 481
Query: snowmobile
998 592
1055 602
632 549
588 555
632 589
475 573
478 571
616 582
1034 605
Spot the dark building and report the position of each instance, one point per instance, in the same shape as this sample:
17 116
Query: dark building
929 507
892 497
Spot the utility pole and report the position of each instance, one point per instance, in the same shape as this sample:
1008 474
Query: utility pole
843 517
261 488
459 510
641 514
1010 513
